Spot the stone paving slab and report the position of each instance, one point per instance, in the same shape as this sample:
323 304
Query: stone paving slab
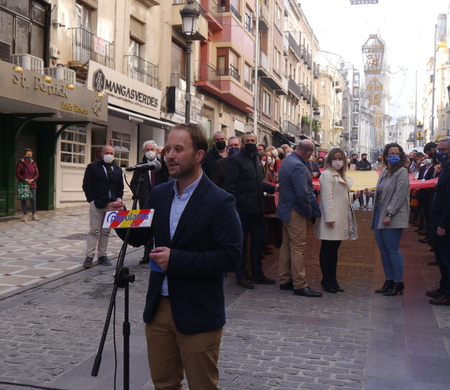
272 340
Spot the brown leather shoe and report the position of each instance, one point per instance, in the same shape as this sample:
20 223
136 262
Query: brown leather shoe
441 301
245 283
433 294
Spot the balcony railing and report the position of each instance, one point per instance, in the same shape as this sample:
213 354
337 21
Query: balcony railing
249 28
290 127
248 85
86 46
209 73
294 45
142 70
295 88
230 8
306 131
230 71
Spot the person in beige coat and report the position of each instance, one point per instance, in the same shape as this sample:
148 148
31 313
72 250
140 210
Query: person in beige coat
391 216
337 222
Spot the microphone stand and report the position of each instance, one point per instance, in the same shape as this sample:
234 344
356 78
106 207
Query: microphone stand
122 279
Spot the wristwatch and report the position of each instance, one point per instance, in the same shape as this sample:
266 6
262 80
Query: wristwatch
389 215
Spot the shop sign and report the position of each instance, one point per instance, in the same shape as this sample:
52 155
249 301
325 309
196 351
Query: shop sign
41 91
123 91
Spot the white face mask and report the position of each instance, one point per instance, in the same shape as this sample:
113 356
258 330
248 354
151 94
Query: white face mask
108 158
150 155
275 153
269 160
428 161
263 163
287 154
337 164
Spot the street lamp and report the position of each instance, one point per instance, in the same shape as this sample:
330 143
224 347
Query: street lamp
189 19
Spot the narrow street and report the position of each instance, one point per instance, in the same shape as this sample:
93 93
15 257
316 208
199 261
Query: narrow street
51 327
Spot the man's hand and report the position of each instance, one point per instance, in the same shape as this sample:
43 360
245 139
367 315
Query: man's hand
330 224
117 205
315 175
277 188
160 256
440 231
367 192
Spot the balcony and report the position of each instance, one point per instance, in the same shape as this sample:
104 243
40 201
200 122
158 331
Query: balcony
305 131
27 61
213 14
264 17
142 70
264 65
316 71
305 93
150 3
202 26
293 45
225 83
294 88
227 7
289 127
86 46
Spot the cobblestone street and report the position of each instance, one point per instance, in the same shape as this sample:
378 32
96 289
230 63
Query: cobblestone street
51 329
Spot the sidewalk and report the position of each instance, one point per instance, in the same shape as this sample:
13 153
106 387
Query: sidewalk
33 253
272 339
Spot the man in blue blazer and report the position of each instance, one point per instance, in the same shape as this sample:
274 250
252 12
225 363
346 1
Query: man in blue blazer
198 238
102 184
297 202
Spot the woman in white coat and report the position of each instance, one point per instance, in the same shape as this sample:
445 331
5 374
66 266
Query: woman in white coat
337 222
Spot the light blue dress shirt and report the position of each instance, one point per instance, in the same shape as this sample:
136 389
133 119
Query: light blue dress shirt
179 202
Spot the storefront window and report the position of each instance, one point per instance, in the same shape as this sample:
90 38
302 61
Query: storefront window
73 145
121 145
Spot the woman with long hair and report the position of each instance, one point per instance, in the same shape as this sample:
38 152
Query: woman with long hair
391 216
337 222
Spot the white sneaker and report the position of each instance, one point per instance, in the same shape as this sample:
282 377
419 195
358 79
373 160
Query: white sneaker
25 218
35 217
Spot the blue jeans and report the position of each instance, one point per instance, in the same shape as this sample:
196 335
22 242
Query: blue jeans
253 224
388 241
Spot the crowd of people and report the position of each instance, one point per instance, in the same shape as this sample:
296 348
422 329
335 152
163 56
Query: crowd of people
221 210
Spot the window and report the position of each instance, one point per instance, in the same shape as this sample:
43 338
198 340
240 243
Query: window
22 27
73 145
276 109
278 14
266 103
83 16
121 146
276 60
323 87
206 125
228 63
249 21
248 77
178 66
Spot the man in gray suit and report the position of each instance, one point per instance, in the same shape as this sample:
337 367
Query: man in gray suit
297 202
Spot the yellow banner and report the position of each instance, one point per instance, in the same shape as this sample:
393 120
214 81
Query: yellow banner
363 179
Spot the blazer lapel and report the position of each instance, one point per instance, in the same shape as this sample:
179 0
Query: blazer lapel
191 208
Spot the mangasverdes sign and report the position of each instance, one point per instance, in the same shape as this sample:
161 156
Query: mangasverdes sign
124 91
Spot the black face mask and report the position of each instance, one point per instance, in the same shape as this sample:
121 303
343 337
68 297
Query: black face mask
364 159
220 145
354 161
250 148
380 160
281 156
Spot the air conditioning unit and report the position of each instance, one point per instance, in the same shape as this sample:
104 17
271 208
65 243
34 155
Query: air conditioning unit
27 61
61 73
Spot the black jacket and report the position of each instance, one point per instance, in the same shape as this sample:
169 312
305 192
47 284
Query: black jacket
206 245
440 208
244 180
210 159
362 165
98 187
162 176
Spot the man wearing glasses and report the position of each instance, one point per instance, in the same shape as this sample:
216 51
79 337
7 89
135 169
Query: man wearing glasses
439 231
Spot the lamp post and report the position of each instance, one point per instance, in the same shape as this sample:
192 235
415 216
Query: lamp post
189 18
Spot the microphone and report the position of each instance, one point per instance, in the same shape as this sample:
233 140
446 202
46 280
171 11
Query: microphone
149 166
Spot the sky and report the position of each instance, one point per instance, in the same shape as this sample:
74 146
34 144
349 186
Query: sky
406 26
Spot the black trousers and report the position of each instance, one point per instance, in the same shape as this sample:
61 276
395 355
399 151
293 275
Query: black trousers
328 258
